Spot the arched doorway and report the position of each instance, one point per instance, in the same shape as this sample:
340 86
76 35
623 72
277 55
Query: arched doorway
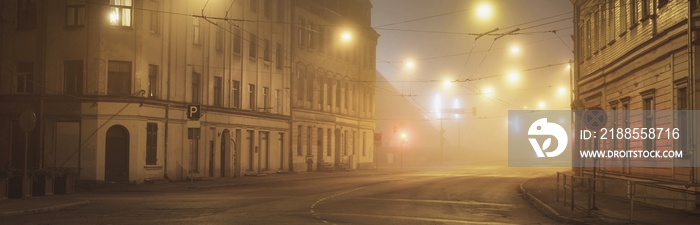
117 154
225 153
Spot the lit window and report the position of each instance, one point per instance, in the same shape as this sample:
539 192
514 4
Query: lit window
120 13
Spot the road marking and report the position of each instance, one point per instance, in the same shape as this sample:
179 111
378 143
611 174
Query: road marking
441 201
419 219
313 206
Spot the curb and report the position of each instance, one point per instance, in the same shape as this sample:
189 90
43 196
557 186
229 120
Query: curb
549 210
45 209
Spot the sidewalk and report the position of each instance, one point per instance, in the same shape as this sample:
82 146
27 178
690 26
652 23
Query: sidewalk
611 210
40 204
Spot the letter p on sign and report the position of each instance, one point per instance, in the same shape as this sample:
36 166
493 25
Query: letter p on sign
193 112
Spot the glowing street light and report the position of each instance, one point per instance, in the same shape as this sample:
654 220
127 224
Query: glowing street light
488 91
409 64
541 105
514 50
447 84
346 36
513 77
562 90
484 11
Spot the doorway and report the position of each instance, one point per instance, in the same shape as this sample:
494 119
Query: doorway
117 154
225 163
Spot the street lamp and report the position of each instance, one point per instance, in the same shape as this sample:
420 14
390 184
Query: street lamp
484 11
404 138
346 36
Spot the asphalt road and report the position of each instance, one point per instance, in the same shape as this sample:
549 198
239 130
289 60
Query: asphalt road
458 195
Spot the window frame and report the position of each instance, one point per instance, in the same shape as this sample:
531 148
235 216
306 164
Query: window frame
125 8
113 76
75 7
153 78
151 144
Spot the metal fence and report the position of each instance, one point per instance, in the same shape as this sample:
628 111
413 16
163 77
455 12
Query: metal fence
568 184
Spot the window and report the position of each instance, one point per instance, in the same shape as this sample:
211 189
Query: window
195 155
633 13
611 20
237 40
26 14
119 78
267 54
308 141
312 36
25 77
73 77
266 99
299 143
120 15
154 26
310 89
195 31
322 39
75 12
151 143
300 84
218 93
251 96
152 81
683 120
236 94
347 96
253 48
338 94
219 45
662 3
623 16
254 5
278 100
321 94
268 8
329 138
300 33
280 56
196 86
648 115
645 9
329 92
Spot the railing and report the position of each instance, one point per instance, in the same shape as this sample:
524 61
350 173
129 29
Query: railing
567 184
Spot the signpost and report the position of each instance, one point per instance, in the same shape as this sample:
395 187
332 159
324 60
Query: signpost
194 112
594 118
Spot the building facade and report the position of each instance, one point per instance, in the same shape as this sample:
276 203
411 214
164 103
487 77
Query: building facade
333 85
110 82
639 55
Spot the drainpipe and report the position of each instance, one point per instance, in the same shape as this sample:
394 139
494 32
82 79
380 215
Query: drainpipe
167 106
691 87
292 64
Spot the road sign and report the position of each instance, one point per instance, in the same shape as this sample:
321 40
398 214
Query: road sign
193 112
595 118
27 121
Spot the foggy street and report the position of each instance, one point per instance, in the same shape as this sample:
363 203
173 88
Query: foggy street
456 195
